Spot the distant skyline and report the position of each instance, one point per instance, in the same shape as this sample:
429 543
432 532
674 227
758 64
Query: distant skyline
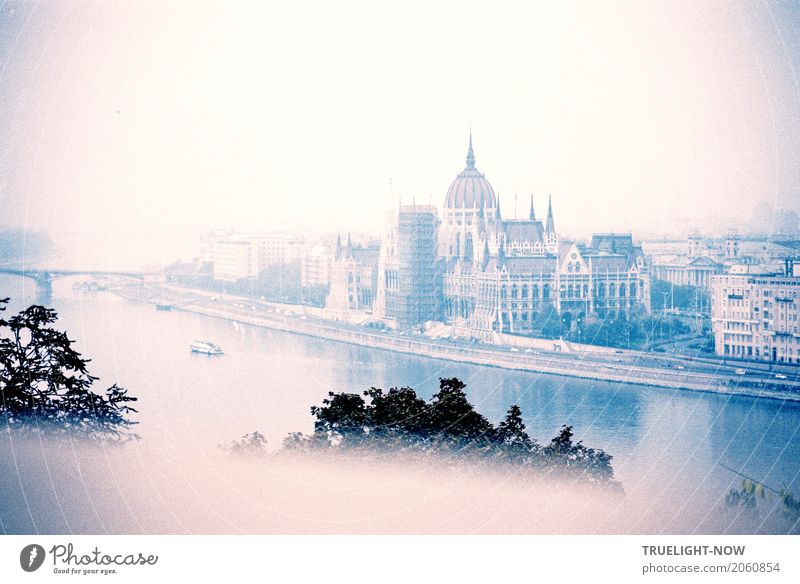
130 128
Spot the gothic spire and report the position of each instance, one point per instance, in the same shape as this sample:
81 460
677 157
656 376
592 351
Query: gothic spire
470 153
550 228
532 215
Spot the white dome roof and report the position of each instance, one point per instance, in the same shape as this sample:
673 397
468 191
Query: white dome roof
470 189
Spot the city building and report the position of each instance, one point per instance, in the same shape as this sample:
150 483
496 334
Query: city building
755 315
687 271
688 264
234 258
238 257
409 284
315 266
279 248
207 241
694 263
353 280
501 275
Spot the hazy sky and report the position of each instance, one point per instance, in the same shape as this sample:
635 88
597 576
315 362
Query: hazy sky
138 125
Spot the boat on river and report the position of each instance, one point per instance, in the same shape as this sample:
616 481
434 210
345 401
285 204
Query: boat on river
205 348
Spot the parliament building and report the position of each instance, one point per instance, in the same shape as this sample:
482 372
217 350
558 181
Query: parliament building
483 274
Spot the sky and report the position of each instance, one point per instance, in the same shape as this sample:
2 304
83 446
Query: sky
129 128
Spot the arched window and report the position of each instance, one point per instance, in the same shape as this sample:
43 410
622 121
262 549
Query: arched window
535 292
514 291
524 290
546 292
622 290
503 291
633 289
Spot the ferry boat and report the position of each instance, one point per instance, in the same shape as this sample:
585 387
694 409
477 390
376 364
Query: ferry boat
205 348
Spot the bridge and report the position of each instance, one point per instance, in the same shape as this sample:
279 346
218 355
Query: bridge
44 277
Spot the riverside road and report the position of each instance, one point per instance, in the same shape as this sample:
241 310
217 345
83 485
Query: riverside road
636 367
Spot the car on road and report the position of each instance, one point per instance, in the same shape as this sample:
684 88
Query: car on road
780 376
740 372
679 367
514 350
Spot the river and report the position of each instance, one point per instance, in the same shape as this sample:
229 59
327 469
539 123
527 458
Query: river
670 447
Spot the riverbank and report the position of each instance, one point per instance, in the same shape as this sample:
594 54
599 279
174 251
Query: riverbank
627 368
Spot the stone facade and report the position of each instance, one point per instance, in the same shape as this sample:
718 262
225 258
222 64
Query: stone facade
500 275
757 316
353 280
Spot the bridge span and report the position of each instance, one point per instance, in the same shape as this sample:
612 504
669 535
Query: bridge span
44 276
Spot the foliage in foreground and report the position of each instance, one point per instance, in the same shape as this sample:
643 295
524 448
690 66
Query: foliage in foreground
746 499
253 444
398 421
44 382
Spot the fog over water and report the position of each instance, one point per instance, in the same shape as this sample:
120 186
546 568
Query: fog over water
666 444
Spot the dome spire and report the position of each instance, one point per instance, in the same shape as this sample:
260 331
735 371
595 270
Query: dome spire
470 153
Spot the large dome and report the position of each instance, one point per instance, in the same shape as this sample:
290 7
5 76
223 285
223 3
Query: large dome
470 189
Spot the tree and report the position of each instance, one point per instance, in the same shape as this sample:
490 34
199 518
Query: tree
44 382
511 431
548 322
342 416
448 424
280 282
593 463
453 419
253 444
512 439
398 413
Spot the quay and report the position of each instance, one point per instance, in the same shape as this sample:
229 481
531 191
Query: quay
629 367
